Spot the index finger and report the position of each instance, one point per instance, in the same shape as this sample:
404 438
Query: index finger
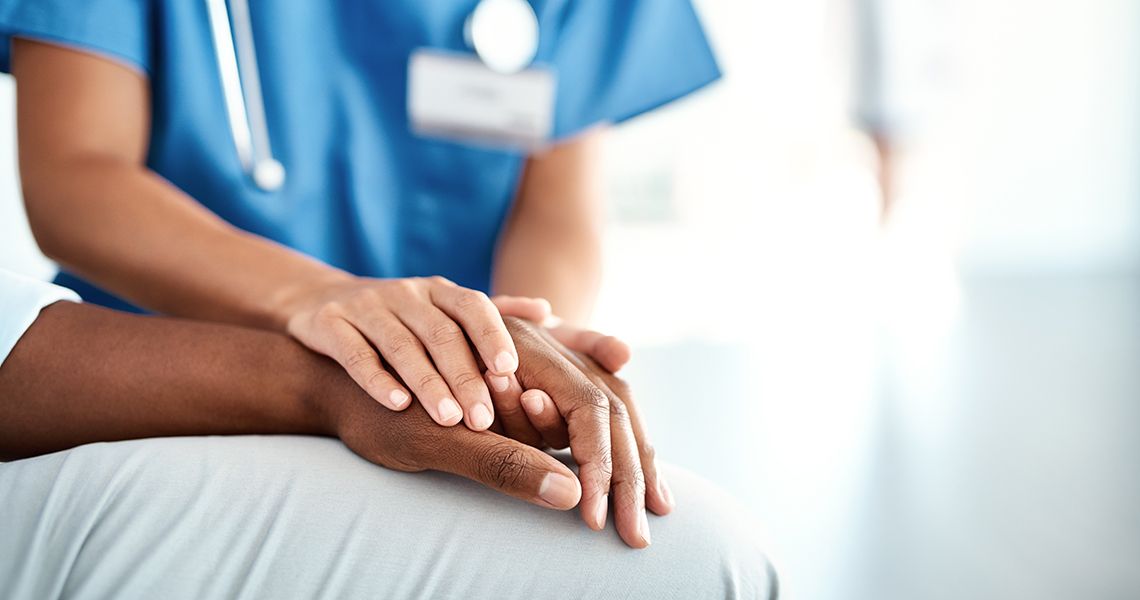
583 405
658 497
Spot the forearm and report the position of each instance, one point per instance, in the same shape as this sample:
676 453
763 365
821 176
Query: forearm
83 374
551 243
84 132
562 265
133 233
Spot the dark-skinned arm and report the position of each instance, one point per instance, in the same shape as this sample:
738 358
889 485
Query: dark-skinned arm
85 374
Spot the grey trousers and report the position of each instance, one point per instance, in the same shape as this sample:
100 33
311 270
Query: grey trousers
303 517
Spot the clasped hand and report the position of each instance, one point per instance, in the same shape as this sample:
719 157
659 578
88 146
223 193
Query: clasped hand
571 401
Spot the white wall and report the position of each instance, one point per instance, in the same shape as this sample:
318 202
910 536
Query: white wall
1028 163
1042 146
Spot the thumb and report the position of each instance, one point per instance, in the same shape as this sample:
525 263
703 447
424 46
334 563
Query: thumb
531 309
512 468
607 350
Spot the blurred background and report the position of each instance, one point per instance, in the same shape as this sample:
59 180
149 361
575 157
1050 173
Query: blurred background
883 285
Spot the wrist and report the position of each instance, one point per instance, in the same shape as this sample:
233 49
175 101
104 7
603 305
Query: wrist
293 298
328 393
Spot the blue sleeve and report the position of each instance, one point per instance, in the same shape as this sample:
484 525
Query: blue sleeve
117 29
619 58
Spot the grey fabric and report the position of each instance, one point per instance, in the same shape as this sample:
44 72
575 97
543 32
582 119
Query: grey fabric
303 517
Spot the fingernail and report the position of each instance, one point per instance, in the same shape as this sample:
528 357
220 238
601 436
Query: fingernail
559 491
600 511
449 411
643 528
499 383
399 398
532 403
480 417
505 362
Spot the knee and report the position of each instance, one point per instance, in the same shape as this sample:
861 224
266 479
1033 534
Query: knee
713 532
708 547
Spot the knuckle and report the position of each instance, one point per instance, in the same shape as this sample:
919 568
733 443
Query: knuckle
329 311
593 397
401 345
502 464
638 480
439 280
633 481
468 381
428 380
619 412
490 331
468 299
444 333
591 400
376 379
606 466
406 286
625 498
358 359
648 454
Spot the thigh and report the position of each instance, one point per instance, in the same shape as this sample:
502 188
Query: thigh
303 517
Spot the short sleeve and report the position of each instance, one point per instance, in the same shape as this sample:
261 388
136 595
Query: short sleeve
21 300
616 59
117 29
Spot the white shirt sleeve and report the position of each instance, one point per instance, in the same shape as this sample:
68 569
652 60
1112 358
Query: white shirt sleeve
21 299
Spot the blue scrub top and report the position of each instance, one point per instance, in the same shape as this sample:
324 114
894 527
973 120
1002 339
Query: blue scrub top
363 192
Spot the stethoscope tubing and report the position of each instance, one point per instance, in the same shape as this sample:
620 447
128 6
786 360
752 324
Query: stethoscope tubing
232 31
241 88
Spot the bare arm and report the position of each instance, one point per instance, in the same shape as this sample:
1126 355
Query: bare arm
551 245
94 207
85 374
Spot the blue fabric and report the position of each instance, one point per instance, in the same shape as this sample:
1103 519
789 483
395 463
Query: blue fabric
363 193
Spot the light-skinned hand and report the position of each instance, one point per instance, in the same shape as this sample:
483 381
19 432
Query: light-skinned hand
415 330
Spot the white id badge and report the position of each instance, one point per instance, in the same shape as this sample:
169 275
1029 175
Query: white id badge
455 96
